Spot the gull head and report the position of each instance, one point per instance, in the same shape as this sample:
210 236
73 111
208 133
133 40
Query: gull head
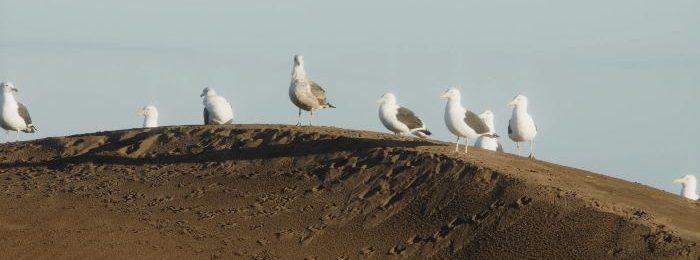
8 87
487 116
685 180
518 100
451 94
298 60
387 98
149 110
208 92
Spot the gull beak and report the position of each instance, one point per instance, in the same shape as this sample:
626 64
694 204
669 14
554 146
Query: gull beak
15 89
202 95
140 113
381 100
443 95
679 180
511 104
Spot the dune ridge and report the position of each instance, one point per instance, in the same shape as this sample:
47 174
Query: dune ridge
287 192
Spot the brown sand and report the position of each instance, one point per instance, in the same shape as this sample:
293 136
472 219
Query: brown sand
284 192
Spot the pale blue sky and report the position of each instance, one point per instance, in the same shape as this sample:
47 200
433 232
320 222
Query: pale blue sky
612 84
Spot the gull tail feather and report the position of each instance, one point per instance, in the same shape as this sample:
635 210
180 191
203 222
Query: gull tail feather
422 133
30 129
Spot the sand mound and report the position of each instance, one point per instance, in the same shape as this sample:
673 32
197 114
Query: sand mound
282 192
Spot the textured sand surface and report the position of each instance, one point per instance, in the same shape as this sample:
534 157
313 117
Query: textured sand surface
286 192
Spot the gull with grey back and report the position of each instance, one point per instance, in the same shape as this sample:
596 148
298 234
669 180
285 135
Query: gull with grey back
489 142
400 120
306 94
217 110
14 116
689 189
150 116
462 122
521 126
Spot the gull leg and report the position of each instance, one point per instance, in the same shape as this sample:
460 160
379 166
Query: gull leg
457 145
17 139
311 118
532 149
517 145
299 118
466 145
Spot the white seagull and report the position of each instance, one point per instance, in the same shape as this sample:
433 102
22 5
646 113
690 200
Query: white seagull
150 116
462 122
521 127
689 183
305 93
488 142
217 111
14 115
400 120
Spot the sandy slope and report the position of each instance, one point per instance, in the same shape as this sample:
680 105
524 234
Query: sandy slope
271 191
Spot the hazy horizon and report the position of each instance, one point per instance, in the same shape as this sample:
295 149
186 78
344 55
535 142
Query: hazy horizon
611 85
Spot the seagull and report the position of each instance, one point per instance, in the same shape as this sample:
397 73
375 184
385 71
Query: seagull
150 114
521 127
305 93
488 142
217 111
462 122
689 183
400 120
14 115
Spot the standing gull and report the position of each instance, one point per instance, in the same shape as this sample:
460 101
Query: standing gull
489 142
689 183
399 119
14 115
462 122
217 111
521 127
305 93
150 116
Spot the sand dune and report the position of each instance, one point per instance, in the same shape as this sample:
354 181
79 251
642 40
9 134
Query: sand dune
284 192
